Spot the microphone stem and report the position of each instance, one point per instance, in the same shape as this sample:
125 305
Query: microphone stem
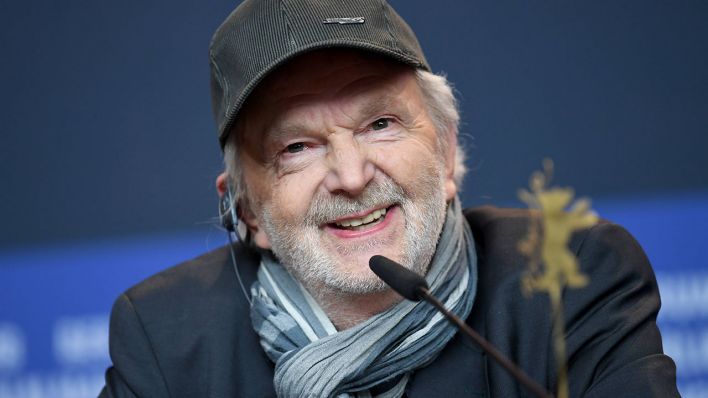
515 371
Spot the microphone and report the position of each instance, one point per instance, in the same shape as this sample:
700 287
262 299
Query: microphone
402 280
414 287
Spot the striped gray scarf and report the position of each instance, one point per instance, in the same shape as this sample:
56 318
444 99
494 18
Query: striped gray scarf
312 359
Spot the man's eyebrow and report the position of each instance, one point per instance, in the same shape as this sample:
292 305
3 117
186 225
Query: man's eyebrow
278 131
384 104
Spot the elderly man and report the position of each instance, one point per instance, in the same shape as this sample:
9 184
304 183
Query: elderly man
340 144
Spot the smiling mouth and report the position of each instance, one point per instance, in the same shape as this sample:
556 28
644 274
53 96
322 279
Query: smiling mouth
356 224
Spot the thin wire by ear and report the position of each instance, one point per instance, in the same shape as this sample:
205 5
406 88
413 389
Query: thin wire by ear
233 210
238 274
228 210
240 228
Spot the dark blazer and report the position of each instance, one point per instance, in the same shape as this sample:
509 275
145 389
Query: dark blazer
186 332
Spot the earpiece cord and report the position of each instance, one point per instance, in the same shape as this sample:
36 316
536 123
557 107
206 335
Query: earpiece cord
238 274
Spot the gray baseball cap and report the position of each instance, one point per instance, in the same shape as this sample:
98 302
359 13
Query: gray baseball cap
261 35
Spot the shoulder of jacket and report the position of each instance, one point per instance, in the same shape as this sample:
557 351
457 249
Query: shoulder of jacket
495 223
500 227
207 279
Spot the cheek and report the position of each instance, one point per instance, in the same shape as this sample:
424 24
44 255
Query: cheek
405 162
266 189
290 196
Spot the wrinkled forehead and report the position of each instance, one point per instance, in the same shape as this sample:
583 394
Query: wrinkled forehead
321 72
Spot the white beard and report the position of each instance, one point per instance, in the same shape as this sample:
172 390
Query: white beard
298 246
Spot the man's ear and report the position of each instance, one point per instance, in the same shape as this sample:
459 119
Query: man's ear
244 214
450 154
222 184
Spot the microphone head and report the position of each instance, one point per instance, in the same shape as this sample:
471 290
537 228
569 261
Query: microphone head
402 280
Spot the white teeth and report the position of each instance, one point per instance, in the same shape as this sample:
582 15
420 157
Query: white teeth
355 222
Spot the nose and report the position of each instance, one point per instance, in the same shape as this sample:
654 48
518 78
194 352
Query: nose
350 168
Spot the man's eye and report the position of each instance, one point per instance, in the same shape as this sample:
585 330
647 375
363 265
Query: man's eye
296 147
380 124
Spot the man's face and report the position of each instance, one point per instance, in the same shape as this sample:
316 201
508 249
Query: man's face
341 162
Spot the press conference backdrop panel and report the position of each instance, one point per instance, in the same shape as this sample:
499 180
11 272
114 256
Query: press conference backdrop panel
107 143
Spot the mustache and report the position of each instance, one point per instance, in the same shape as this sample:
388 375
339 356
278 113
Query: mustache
327 207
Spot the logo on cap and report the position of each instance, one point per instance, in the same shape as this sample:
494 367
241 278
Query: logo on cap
344 21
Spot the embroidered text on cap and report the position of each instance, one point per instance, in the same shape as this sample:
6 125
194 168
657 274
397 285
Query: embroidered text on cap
344 21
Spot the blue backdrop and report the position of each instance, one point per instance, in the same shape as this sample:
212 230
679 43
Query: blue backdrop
108 151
